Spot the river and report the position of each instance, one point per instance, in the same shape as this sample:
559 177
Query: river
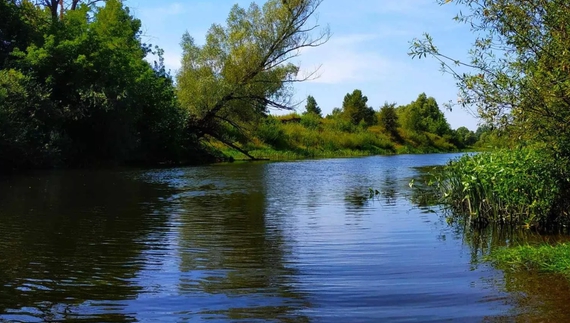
296 241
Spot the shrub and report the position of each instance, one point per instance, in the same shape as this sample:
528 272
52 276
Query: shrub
310 121
522 186
271 132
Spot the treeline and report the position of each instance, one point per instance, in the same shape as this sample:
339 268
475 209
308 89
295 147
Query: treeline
76 89
358 129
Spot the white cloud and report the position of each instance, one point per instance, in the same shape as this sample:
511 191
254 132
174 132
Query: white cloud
172 60
344 59
159 14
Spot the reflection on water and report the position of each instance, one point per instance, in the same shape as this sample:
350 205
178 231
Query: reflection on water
67 246
250 242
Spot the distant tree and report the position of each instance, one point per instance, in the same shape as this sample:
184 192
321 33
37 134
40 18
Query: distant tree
354 108
312 106
465 137
336 112
388 119
423 114
482 129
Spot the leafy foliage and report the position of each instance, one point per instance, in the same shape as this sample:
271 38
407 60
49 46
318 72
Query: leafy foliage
518 72
244 68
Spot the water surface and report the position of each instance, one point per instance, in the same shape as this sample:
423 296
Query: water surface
248 242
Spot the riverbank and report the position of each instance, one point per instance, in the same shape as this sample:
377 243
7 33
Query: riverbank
544 258
512 188
305 136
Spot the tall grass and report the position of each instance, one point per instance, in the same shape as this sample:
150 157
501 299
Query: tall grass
545 258
522 186
295 136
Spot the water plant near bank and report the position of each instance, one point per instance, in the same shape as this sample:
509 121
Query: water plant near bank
544 258
519 186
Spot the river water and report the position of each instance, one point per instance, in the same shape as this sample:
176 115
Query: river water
292 241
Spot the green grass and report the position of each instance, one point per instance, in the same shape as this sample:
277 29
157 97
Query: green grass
272 154
544 258
308 136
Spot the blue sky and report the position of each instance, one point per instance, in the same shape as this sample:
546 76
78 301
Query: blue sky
367 51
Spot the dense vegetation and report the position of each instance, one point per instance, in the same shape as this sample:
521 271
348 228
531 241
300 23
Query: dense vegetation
357 129
76 89
518 82
506 186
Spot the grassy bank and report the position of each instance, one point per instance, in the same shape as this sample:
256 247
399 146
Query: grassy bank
545 258
307 136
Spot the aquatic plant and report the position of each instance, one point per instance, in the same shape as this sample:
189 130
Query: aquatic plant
519 186
544 258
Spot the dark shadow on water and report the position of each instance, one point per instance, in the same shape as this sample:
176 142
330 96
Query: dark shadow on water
69 244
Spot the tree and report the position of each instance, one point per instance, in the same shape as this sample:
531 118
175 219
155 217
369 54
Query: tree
58 8
465 137
355 109
518 73
388 119
83 93
424 114
18 28
312 107
245 68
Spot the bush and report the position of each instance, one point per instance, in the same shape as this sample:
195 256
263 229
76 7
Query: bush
310 121
342 125
271 132
523 186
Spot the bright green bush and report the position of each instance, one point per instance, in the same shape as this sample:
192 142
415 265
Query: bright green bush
311 120
522 186
271 132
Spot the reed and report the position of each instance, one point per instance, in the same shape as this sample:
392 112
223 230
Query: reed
521 186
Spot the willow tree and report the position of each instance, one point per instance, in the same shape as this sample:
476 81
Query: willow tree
518 75
245 68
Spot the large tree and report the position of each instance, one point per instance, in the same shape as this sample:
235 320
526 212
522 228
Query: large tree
356 110
388 119
312 107
58 8
519 70
244 68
